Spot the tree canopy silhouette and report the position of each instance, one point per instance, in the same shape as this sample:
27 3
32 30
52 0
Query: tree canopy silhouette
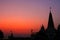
1 34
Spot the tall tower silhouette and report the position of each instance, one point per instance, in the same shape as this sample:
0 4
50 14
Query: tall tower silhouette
50 31
50 21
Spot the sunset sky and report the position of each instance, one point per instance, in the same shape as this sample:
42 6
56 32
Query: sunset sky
20 16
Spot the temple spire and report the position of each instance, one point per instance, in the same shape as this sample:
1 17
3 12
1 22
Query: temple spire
50 31
50 20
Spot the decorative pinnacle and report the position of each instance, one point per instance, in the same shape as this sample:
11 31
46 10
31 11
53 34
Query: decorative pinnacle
50 8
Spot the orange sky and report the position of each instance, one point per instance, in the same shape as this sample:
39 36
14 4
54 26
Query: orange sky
22 16
20 25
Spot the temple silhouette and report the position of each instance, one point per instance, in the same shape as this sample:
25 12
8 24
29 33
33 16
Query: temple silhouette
44 34
50 33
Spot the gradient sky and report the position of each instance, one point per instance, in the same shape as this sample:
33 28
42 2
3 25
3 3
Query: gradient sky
20 16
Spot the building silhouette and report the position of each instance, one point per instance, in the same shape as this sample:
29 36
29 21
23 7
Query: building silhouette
58 33
49 33
41 35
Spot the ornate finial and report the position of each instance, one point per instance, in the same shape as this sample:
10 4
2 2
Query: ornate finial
50 8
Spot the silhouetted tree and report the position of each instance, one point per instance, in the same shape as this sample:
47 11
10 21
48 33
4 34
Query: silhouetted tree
32 35
11 36
1 34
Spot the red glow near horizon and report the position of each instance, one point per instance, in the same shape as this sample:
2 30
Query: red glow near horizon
19 25
20 16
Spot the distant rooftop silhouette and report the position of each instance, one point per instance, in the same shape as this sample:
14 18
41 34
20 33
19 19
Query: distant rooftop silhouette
42 28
